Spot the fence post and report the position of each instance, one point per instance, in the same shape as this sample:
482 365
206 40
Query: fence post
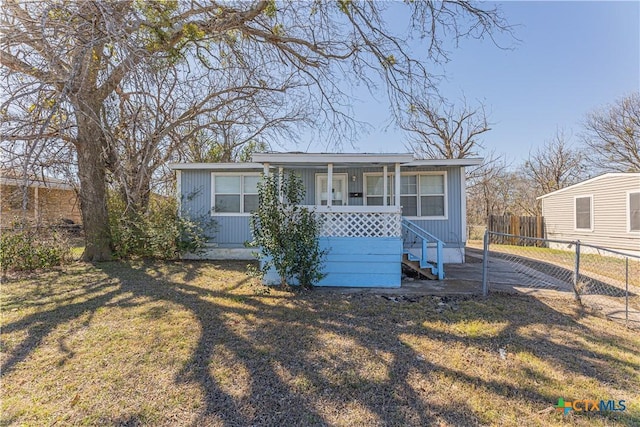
485 256
626 291
576 273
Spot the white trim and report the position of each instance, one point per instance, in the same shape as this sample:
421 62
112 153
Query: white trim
318 187
241 194
396 184
418 195
606 175
463 204
385 185
179 190
628 212
336 158
353 209
329 187
575 213
215 166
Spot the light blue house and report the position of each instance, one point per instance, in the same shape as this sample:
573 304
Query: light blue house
371 225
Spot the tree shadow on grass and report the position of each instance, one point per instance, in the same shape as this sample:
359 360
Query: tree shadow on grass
310 358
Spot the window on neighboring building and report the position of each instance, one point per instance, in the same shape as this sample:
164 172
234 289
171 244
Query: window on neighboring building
634 211
233 193
421 194
583 213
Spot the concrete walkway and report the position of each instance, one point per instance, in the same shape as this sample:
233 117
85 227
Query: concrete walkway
505 277
466 279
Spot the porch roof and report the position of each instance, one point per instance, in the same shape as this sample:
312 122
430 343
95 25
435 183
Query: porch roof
322 159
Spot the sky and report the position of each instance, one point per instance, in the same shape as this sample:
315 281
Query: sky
570 58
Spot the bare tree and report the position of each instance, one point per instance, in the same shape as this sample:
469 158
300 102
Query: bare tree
554 165
443 131
487 189
76 55
613 136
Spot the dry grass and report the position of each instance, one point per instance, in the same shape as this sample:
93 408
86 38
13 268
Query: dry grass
195 344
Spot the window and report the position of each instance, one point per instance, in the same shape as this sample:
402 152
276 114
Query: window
431 195
583 217
233 193
421 194
375 189
338 190
634 211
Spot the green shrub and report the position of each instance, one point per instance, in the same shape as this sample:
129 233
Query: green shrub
287 233
30 248
157 233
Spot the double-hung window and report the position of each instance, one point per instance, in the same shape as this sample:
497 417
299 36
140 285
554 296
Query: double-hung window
583 208
432 195
634 211
421 194
235 193
375 189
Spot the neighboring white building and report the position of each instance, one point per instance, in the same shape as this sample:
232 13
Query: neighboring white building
602 211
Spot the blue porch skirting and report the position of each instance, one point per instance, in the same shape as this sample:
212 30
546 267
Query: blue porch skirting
371 262
366 262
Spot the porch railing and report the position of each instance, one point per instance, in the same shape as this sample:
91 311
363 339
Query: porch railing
426 240
359 221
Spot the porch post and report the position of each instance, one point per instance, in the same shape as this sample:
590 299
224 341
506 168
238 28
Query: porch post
385 190
329 185
397 185
280 183
266 169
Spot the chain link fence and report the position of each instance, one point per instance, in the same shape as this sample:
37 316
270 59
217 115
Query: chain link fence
599 278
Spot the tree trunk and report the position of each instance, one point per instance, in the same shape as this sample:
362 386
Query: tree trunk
93 194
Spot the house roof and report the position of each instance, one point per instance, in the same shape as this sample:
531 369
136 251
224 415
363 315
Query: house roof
336 158
322 159
215 166
597 178
10 177
476 161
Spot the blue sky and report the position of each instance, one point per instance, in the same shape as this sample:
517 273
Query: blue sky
570 58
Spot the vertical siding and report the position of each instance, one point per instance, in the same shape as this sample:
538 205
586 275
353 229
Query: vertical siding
229 231
449 230
609 212
234 231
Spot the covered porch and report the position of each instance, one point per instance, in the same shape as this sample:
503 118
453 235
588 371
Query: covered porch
367 244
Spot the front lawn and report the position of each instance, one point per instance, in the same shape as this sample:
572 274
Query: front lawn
190 343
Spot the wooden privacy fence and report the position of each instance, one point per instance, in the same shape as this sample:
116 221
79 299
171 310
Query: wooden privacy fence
525 226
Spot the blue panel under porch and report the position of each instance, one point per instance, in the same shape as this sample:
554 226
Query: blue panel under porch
362 261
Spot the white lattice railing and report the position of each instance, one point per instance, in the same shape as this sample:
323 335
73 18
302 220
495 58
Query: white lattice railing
360 221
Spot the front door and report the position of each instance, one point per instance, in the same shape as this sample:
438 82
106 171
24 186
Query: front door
338 191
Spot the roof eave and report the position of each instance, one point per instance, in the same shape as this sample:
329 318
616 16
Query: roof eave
215 166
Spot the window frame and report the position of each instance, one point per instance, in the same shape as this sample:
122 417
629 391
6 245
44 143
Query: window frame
417 195
390 188
628 211
242 193
575 212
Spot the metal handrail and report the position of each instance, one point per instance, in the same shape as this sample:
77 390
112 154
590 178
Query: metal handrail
425 237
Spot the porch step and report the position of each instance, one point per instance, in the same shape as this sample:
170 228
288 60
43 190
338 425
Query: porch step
415 266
